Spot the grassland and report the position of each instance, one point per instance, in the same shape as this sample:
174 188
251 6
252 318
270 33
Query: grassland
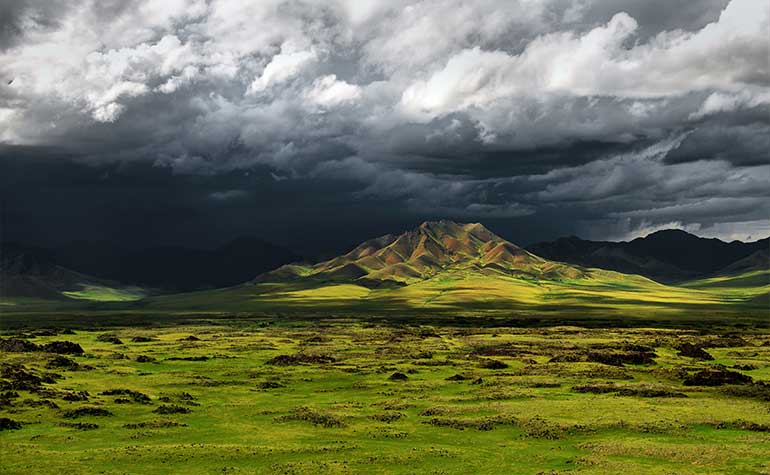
201 395
596 293
101 293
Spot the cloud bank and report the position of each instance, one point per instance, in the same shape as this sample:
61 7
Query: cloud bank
614 116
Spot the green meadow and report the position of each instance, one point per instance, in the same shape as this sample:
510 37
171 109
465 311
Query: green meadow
205 393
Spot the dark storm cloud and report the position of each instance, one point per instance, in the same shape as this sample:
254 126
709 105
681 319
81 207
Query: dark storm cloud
617 114
19 17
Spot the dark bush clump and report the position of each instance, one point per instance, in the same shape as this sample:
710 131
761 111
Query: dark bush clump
62 362
16 345
188 358
154 425
79 425
387 417
716 377
493 364
63 348
457 377
9 424
317 418
86 411
144 359
107 338
171 409
141 339
136 396
300 358
17 377
76 396
398 377
694 351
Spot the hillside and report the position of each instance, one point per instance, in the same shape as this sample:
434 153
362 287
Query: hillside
177 269
33 274
666 256
430 249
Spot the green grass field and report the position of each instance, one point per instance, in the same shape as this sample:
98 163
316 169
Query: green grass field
463 372
252 395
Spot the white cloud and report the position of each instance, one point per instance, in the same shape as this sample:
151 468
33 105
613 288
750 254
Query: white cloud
328 91
281 68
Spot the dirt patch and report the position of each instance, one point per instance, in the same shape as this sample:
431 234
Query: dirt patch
270 385
300 358
86 411
716 377
144 359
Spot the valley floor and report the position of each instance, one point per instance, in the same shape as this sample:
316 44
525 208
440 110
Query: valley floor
356 396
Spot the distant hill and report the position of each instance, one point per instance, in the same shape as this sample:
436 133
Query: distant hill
33 273
421 253
666 256
177 268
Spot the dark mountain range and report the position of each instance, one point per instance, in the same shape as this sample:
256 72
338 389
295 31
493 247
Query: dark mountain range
176 268
666 256
31 272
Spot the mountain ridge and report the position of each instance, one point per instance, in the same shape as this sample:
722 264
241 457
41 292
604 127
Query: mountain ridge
669 256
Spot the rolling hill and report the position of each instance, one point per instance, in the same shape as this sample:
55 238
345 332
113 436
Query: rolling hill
32 274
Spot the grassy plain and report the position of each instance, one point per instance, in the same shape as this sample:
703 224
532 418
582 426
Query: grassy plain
202 394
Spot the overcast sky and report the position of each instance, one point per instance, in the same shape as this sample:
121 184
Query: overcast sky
318 124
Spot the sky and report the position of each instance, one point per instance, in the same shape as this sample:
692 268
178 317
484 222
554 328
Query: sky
318 124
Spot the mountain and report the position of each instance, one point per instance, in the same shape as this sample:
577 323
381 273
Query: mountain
420 254
665 256
177 268
467 270
33 273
